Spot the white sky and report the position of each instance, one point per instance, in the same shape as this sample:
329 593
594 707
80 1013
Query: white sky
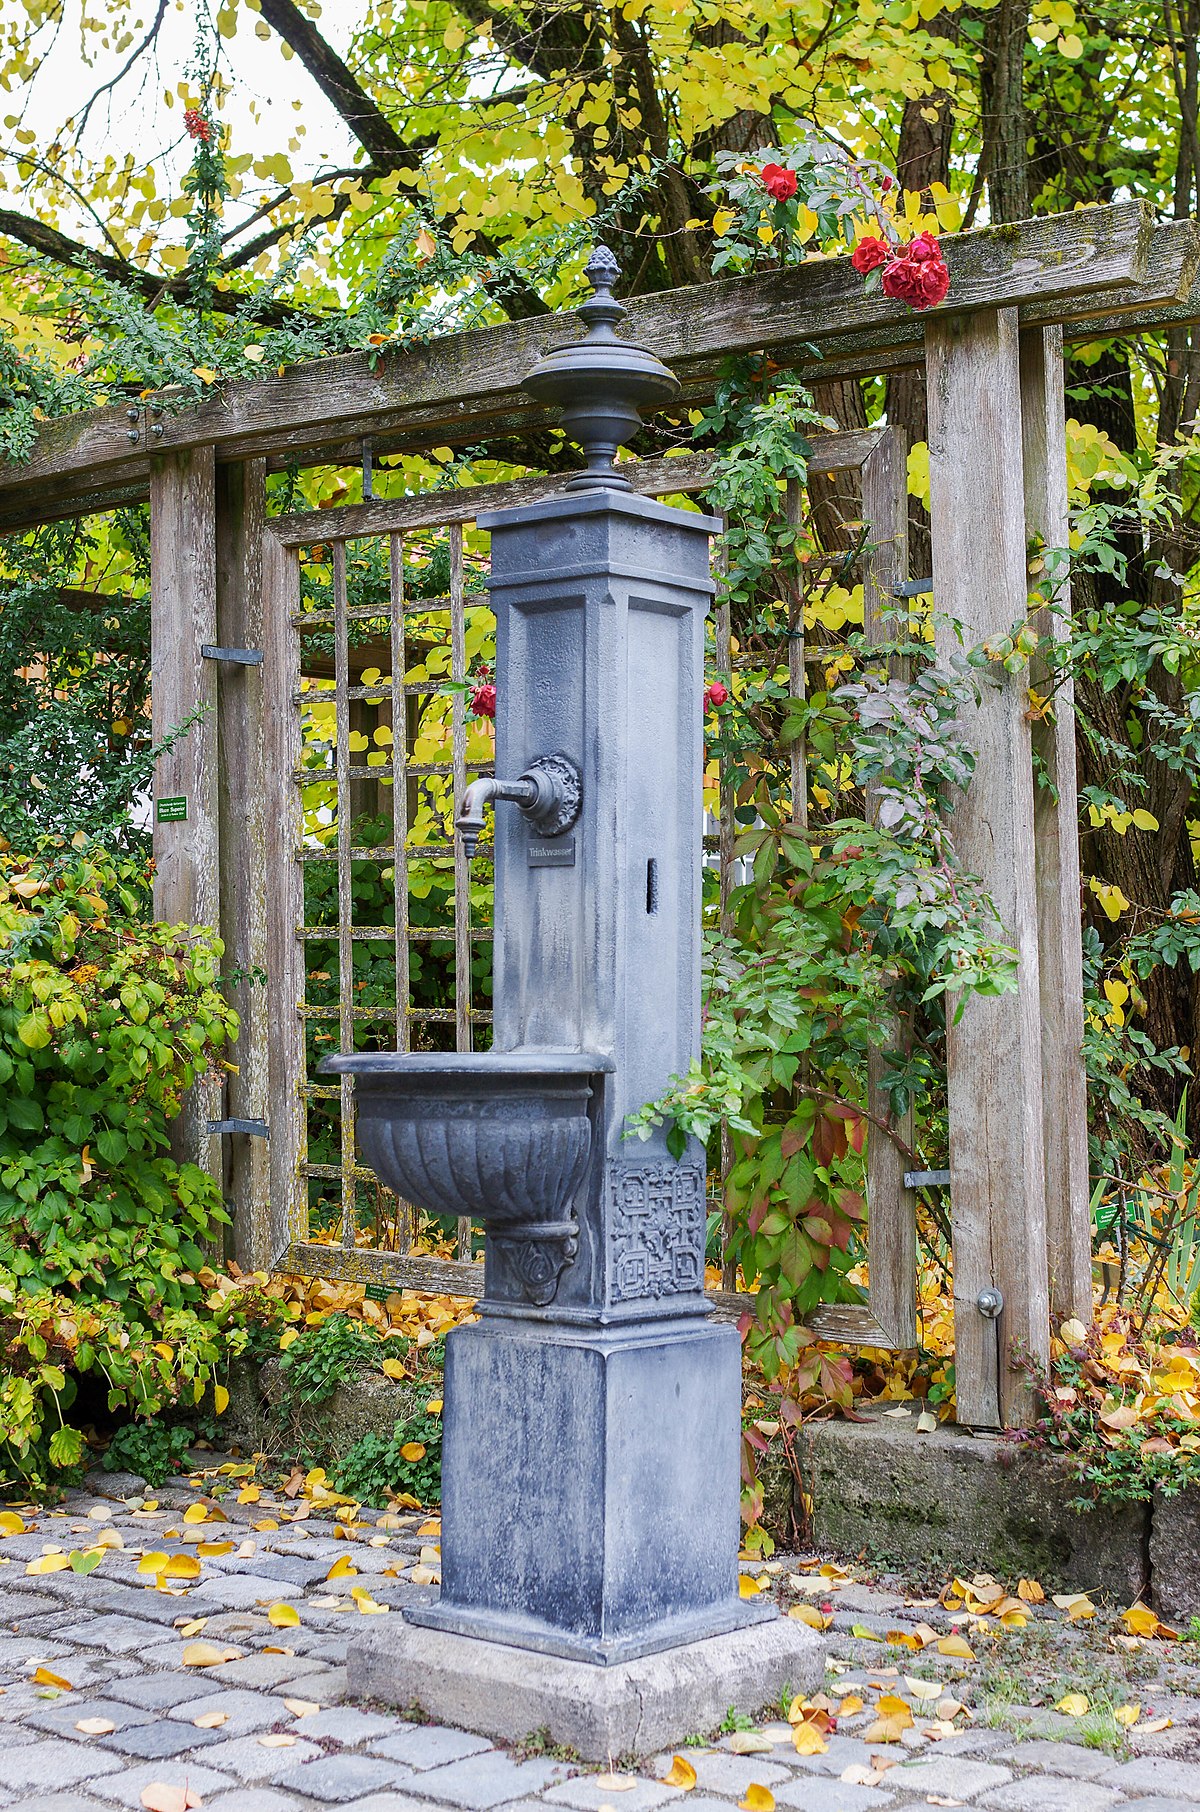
136 116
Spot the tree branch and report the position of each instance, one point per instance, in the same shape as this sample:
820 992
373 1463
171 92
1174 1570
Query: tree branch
131 59
48 242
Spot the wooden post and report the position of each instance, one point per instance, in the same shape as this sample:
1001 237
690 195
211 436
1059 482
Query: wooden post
997 1186
241 508
283 752
891 1208
1056 841
183 616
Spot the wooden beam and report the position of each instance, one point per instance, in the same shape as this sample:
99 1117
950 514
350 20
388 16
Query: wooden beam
1056 845
241 512
183 617
844 452
997 1189
453 386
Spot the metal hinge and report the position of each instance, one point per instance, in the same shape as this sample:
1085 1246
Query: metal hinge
243 657
257 1129
913 588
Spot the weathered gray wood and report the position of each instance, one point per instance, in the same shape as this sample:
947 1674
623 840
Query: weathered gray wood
241 510
845 1323
183 616
282 750
685 474
455 384
891 1208
1056 839
998 1189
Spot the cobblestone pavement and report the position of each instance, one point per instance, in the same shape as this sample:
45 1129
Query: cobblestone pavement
264 1726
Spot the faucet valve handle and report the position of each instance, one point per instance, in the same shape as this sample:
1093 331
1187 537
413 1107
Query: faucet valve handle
549 793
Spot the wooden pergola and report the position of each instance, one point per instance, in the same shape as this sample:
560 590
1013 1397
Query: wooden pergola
992 354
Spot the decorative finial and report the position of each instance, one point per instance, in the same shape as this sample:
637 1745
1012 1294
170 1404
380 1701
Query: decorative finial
601 382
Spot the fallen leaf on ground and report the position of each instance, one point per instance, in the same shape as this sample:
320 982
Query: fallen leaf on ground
748 1587
1153 1725
850 1705
11 1523
807 1740
302 1708
616 1783
757 1799
42 1676
342 1568
207 1654
1074 1705
1127 1714
211 1720
277 1739
750 1742
1077 1605
808 1613
48 1563
96 1726
161 1796
370 1607
681 1774
1031 1591
283 1617
956 1645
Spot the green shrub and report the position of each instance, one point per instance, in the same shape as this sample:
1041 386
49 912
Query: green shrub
154 1450
105 1020
409 1464
320 1357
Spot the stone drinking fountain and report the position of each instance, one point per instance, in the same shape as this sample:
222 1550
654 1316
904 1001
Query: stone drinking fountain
592 1413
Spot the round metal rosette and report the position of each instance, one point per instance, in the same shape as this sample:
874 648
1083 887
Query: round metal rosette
503 1137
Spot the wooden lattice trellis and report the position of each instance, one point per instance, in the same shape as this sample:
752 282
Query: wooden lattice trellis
888 1319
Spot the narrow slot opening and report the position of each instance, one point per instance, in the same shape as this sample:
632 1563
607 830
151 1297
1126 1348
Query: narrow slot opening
652 884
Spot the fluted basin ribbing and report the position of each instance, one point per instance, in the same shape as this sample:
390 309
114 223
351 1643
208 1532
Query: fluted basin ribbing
501 1136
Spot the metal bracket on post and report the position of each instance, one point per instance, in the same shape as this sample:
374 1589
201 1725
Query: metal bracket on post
257 1129
153 424
368 470
927 1179
913 588
241 657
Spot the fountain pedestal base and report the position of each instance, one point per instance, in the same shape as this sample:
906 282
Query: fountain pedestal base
590 1485
633 1708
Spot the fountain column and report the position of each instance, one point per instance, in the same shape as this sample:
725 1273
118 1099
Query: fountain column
592 1414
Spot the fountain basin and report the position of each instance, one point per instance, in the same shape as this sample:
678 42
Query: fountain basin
503 1137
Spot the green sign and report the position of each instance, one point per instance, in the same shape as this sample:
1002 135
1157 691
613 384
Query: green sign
172 811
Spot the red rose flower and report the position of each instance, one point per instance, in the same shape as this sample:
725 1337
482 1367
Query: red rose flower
869 253
923 249
715 695
779 183
918 276
483 700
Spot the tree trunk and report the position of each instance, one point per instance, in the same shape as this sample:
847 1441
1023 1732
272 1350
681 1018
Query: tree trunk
1006 129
